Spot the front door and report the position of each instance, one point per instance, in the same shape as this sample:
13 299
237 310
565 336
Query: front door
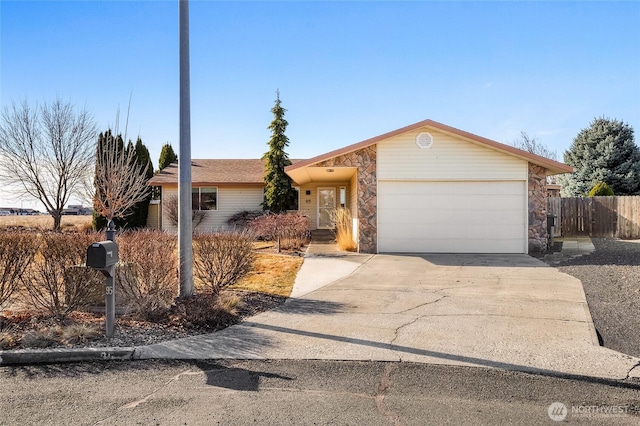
326 208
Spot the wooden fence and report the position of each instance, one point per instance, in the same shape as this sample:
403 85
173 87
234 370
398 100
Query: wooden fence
617 217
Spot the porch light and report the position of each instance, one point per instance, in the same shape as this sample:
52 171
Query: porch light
330 170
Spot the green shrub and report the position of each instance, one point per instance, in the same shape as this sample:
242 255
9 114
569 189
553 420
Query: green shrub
222 258
601 189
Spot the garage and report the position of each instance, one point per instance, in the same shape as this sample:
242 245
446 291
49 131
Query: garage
432 188
452 217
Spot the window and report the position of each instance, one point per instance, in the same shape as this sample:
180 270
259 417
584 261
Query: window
343 196
204 198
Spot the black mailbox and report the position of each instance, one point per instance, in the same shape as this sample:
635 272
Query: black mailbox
551 220
102 255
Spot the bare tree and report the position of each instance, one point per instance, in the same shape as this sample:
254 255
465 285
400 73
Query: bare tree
171 210
46 152
531 144
120 181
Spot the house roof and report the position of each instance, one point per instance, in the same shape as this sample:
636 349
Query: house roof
245 171
218 171
553 167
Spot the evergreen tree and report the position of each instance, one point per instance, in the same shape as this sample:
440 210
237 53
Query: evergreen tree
138 216
603 152
167 156
279 194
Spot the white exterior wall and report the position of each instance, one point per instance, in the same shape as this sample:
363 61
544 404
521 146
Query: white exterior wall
449 158
230 201
455 196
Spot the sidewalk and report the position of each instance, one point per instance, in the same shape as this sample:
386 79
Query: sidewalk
571 247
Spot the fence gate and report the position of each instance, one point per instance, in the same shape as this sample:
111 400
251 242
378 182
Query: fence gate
617 217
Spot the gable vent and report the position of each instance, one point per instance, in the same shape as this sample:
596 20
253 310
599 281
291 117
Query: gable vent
424 140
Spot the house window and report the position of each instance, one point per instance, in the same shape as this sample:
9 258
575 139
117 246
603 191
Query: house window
203 198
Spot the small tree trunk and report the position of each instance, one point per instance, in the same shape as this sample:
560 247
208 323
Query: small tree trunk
278 243
57 218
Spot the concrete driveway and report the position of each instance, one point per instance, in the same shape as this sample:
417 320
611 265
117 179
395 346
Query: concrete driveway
505 311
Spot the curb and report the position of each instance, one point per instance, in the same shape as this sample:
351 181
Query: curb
40 356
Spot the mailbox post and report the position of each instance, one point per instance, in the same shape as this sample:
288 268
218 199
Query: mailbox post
103 256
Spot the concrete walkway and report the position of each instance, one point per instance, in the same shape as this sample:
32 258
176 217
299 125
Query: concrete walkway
504 311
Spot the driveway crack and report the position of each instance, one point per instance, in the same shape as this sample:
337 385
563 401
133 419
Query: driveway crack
422 304
636 365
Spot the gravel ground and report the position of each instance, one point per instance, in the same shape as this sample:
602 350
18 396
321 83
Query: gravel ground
611 279
131 332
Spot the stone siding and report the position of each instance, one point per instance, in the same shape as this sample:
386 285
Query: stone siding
365 160
538 238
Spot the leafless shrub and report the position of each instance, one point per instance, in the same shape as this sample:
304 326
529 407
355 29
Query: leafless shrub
289 229
51 284
207 310
147 274
171 210
242 218
17 250
222 258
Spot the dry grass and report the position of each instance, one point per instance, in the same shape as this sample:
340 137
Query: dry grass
80 333
46 222
272 273
344 230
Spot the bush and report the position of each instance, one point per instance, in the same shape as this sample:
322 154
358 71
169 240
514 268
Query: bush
171 209
42 338
289 229
17 250
344 230
79 333
601 189
50 282
222 258
211 311
243 218
147 273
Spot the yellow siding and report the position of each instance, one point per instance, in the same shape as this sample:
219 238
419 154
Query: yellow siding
449 158
230 201
309 203
153 216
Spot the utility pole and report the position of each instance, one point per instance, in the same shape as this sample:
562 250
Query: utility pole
185 233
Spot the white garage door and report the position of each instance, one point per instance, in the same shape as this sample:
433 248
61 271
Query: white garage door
452 217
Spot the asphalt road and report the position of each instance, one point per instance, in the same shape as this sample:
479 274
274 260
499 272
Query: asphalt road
302 393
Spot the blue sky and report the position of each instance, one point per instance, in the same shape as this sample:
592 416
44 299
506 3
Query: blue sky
346 71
